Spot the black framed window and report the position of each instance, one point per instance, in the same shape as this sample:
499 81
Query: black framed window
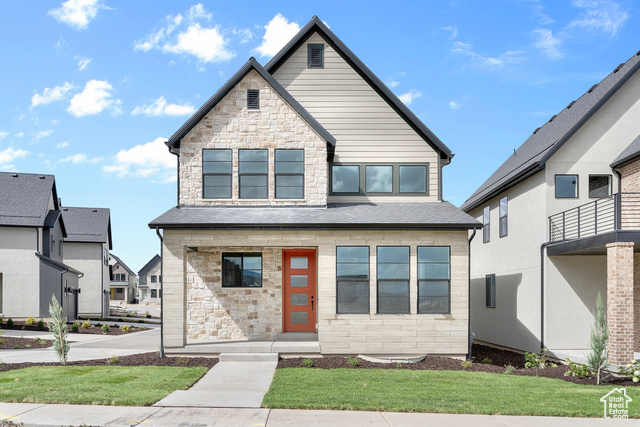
289 174
413 178
252 169
393 279
345 179
434 279
491 290
315 55
379 178
253 99
486 224
566 186
599 186
216 174
504 222
154 279
352 279
154 293
241 270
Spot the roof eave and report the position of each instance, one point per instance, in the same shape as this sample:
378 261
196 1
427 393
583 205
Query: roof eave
306 226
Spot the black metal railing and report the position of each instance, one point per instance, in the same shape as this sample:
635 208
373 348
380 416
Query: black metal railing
620 211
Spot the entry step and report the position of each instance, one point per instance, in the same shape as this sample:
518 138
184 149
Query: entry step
297 336
248 357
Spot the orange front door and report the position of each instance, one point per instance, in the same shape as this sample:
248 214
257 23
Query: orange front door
299 290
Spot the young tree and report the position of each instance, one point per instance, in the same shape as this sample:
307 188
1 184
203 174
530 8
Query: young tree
597 359
59 329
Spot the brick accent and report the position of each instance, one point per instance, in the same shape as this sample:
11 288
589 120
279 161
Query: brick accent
636 301
620 301
275 125
630 183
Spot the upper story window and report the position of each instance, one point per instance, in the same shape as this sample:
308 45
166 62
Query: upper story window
352 279
413 179
486 226
393 279
53 245
599 186
253 172
289 174
566 186
315 55
154 279
434 277
216 174
504 223
241 270
345 179
379 179
253 99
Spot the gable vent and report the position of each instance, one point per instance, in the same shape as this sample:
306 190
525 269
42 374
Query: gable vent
253 99
552 118
571 105
315 55
536 131
592 88
618 68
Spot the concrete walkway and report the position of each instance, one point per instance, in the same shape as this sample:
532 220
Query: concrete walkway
46 415
226 385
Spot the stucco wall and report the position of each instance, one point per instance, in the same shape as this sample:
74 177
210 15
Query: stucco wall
20 271
88 258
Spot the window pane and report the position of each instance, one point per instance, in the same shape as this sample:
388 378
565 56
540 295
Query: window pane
299 317
252 278
379 179
393 254
433 305
433 288
433 271
345 179
289 181
252 155
299 262
289 155
253 167
393 304
217 167
253 192
353 297
242 270
413 179
393 271
566 186
393 289
216 155
289 193
289 167
504 227
599 186
352 254
299 281
503 207
253 262
353 271
232 268
217 180
486 215
217 192
433 254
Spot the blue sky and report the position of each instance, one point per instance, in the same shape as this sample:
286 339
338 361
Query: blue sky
91 88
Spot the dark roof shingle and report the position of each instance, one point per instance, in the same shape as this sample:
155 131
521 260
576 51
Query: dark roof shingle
25 198
148 266
87 224
629 153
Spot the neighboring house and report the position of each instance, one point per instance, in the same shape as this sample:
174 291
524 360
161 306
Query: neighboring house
32 231
150 281
310 201
87 246
123 281
560 226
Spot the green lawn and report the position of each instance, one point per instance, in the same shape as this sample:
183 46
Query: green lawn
437 391
95 385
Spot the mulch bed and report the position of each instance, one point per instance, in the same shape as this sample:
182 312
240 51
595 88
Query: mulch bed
94 329
499 360
144 359
23 343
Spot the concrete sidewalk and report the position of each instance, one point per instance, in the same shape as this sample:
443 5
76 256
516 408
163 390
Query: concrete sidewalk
66 415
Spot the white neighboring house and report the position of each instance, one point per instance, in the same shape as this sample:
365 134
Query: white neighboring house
150 281
562 224
87 246
123 281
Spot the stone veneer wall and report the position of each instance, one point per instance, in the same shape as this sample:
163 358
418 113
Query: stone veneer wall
231 125
217 313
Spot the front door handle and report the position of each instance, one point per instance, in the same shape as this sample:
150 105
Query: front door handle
311 302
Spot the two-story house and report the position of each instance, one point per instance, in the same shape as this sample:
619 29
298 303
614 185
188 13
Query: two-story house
310 204
123 281
150 281
561 226
32 232
87 246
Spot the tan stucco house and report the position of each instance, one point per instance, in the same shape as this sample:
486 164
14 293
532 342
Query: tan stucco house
150 281
561 224
123 284
310 206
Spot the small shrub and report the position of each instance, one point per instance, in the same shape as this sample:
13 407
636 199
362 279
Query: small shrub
183 360
119 319
1 339
115 326
353 361
28 346
142 321
75 327
41 324
125 328
533 360
128 315
307 363
105 329
86 324
147 314
10 323
487 361
16 347
466 364
114 360
1 320
577 370
398 365
632 370
30 321
509 369
40 341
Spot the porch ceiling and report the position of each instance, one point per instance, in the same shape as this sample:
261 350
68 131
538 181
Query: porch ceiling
594 245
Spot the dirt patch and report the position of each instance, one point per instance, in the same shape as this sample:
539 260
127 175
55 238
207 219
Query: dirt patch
95 329
144 359
23 343
499 359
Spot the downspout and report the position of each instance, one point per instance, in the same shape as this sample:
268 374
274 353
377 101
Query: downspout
469 336
37 240
161 293
542 248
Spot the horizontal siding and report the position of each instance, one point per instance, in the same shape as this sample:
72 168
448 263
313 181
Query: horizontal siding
366 128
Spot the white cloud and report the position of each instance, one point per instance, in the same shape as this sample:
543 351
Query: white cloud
278 32
245 35
49 95
547 43
94 98
3 135
82 62
453 30
408 97
19 134
187 36
81 158
9 155
454 105
507 58
392 83
159 107
43 134
77 13
62 145
150 160
600 15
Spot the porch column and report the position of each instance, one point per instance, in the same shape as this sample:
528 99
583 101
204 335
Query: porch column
620 302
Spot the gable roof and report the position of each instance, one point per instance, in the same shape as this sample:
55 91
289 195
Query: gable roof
92 225
533 154
125 266
148 266
316 25
51 219
25 199
629 153
251 64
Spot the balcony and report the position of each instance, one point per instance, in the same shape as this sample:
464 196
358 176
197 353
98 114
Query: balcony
587 228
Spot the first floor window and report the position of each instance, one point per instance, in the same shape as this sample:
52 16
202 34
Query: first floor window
393 279
486 224
216 174
566 186
352 279
491 290
504 210
599 186
119 291
434 279
154 293
252 169
241 270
